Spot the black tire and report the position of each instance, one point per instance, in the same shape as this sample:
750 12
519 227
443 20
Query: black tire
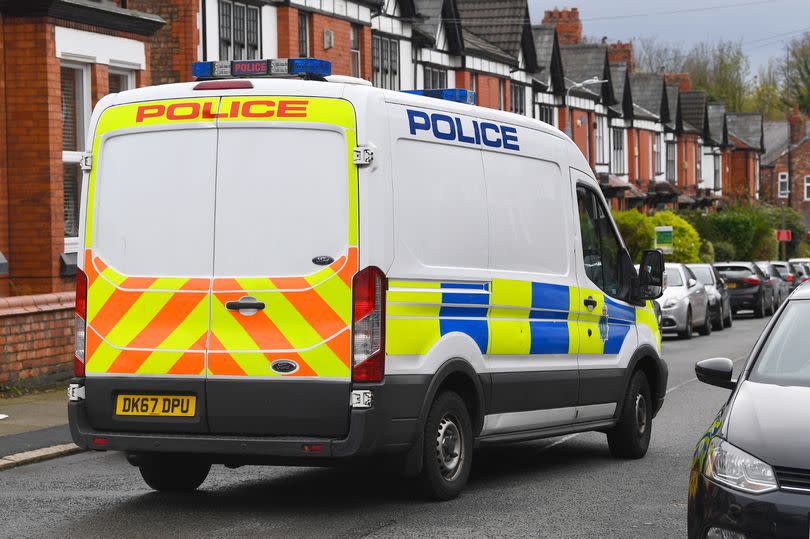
728 320
630 438
687 333
717 323
706 328
448 447
173 472
759 310
770 308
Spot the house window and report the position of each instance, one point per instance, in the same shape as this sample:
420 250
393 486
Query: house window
435 78
518 98
657 147
238 31
617 159
354 45
718 183
120 80
474 82
807 187
385 62
501 94
546 114
671 162
784 185
75 113
303 34
601 128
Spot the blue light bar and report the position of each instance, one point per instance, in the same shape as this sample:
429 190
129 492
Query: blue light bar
459 95
281 67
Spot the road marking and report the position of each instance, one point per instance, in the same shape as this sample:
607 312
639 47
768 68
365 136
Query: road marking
3 416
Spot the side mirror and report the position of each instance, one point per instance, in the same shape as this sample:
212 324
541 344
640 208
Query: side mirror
651 275
691 282
716 372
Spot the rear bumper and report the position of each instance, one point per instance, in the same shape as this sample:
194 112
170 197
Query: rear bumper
744 299
391 425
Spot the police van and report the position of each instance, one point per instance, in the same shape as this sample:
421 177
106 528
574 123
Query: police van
278 265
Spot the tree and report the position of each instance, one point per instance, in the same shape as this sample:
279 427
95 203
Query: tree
637 231
797 73
767 95
685 239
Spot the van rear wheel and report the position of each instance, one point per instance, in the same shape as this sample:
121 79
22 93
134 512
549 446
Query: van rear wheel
630 438
173 473
447 454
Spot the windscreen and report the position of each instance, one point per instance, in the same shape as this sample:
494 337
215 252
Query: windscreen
673 277
784 358
734 272
703 274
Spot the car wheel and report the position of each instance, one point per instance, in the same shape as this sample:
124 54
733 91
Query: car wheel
717 323
630 438
448 445
706 328
687 332
759 310
728 320
173 472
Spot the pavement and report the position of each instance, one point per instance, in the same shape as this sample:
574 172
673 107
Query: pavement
560 487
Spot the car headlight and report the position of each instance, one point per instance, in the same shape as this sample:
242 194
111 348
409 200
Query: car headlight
671 302
734 467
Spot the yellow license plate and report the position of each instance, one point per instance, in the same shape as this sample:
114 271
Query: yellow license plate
156 405
732 285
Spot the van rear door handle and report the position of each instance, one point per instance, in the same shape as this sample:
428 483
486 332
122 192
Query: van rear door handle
590 303
246 303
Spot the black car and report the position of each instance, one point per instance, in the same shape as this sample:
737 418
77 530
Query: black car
750 473
748 287
719 298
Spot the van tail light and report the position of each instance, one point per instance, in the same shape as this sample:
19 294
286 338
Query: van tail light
80 319
790 277
753 281
368 325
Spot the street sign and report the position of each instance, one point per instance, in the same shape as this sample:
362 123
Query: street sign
663 239
784 235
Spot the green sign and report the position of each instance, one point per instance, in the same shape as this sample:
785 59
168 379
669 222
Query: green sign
663 239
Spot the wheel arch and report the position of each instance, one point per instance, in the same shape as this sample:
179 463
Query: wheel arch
458 375
647 360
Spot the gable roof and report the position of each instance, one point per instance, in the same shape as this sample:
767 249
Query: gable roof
649 92
431 14
583 62
693 110
503 23
618 77
477 44
775 138
747 128
549 63
718 130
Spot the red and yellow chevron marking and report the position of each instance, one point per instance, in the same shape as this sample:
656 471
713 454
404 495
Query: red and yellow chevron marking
306 319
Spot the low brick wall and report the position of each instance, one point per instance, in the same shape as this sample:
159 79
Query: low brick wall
36 339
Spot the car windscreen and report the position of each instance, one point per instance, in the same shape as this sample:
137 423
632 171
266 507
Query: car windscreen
734 272
784 359
673 277
703 274
781 269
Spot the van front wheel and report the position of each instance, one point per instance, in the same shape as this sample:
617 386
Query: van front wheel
630 438
447 454
170 472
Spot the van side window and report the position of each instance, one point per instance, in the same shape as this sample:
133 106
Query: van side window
600 246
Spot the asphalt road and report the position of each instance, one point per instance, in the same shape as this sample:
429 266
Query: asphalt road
563 487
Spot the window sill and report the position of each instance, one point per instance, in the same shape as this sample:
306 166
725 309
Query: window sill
72 245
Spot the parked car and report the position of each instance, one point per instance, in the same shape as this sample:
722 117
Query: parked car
719 299
781 288
684 303
748 287
788 272
802 273
750 474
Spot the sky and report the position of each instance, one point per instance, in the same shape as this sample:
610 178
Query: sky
763 26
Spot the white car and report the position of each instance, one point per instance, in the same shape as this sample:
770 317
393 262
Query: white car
684 303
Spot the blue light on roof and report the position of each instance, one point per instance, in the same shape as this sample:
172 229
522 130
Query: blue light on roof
459 95
310 66
282 67
201 70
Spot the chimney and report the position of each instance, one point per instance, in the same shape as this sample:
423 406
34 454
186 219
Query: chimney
798 125
681 79
621 52
567 23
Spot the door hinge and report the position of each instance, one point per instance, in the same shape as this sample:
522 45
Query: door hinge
363 156
75 392
86 162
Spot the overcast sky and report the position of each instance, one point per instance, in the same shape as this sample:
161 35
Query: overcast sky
763 26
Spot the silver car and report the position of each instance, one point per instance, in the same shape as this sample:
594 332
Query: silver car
684 304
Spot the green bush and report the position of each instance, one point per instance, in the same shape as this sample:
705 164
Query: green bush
803 251
793 221
706 251
686 241
747 228
724 251
637 230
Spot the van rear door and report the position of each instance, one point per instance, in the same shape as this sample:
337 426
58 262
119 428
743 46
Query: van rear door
284 256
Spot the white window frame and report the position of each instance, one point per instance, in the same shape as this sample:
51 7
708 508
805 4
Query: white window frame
806 185
84 110
658 153
354 52
381 72
248 7
783 178
501 94
618 159
307 18
127 73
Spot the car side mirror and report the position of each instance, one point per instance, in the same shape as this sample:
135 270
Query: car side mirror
650 275
691 282
716 372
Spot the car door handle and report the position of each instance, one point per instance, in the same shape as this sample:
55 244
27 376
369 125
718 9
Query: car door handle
245 304
590 303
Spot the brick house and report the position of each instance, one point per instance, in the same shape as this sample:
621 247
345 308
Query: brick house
787 157
719 160
695 111
651 114
746 136
58 59
548 85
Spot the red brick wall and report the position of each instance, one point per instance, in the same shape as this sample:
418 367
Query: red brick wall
287 31
632 149
36 339
340 53
488 92
4 214
580 130
645 141
175 45
687 148
567 23
621 52
800 163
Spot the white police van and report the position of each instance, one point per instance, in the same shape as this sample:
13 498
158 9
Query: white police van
281 266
